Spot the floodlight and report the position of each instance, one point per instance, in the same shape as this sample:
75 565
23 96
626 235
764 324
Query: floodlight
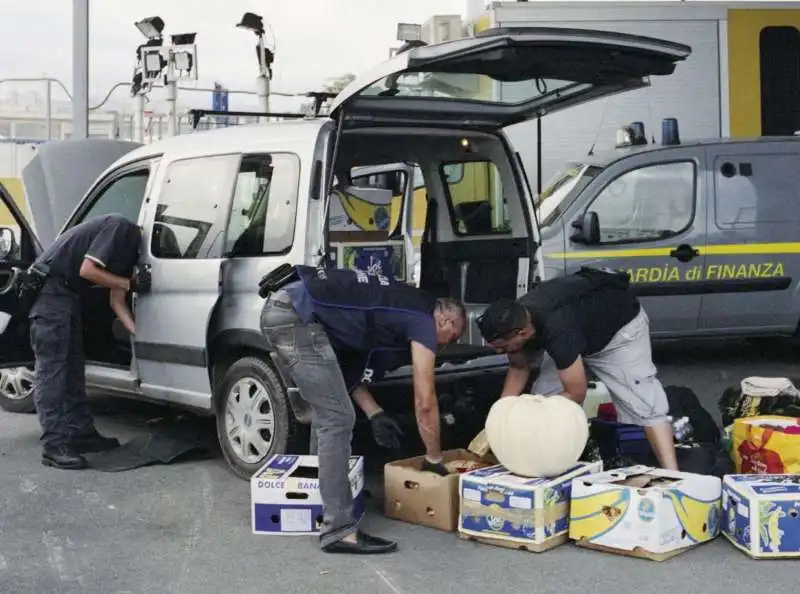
151 27
183 38
252 22
183 61
152 62
409 32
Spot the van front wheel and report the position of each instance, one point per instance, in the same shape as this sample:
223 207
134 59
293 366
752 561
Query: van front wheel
254 419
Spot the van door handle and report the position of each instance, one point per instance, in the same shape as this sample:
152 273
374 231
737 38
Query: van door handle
684 253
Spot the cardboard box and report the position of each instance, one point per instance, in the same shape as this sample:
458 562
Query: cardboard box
424 498
503 509
761 514
285 497
645 512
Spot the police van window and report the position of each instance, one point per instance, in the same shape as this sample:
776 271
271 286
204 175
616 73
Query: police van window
647 204
477 201
124 196
756 190
264 205
190 213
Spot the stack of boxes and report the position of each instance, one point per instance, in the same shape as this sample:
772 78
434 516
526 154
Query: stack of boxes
637 511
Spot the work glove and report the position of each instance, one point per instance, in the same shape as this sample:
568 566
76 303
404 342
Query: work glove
142 281
385 430
437 467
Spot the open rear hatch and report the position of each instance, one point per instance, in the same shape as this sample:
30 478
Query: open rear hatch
546 70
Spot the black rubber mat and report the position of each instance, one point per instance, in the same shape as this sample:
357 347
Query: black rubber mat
176 443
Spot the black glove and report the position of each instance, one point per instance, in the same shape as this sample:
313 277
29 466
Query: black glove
142 281
385 430
438 467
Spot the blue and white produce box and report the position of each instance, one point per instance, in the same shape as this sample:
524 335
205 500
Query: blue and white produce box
509 510
761 514
285 497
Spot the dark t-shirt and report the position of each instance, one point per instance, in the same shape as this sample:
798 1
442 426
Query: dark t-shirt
584 327
347 330
111 241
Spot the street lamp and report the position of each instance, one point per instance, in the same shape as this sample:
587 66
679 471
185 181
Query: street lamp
255 23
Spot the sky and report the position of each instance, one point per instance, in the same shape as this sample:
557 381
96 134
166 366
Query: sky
314 40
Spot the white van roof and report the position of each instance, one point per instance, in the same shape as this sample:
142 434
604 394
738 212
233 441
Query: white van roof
291 135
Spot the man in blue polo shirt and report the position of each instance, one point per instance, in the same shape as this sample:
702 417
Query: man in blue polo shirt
337 330
101 251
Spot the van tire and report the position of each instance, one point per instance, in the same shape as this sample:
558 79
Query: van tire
16 390
253 382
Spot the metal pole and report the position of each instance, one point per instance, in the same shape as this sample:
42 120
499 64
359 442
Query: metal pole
48 106
80 68
172 97
262 82
138 119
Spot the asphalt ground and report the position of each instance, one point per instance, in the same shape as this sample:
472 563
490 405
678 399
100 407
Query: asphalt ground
185 528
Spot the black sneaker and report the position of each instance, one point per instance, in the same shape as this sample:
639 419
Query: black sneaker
63 457
92 442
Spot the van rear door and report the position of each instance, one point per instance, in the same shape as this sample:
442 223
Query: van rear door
544 70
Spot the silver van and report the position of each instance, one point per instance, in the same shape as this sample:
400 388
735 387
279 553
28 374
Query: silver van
221 208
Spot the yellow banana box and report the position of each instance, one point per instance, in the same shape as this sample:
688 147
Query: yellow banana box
645 512
498 507
761 514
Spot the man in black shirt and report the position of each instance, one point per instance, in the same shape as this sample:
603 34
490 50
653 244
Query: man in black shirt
101 251
589 319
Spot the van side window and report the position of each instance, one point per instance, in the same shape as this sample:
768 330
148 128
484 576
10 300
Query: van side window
191 211
754 190
262 215
647 204
476 197
123 196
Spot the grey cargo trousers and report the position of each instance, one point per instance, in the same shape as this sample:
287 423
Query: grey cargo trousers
306 352
59 390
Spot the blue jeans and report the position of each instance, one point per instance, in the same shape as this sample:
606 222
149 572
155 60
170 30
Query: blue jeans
306 352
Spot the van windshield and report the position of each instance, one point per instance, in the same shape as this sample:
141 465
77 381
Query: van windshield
562 188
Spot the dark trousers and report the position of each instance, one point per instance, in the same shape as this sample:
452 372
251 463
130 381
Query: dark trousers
306 352
60 387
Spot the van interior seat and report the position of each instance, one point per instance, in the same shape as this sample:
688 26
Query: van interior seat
166 241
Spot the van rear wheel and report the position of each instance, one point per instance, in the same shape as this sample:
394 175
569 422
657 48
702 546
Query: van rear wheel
254 419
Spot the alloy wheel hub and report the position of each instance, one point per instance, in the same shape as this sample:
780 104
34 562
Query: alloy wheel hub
16 383
249 420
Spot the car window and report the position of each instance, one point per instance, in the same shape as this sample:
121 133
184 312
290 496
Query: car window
264 207
477 200
190 215
754 190
647 204
10 235
124 196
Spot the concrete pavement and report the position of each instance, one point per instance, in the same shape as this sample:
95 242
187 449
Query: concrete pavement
185 528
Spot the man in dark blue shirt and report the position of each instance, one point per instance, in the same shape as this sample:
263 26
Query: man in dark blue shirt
101 251
336 331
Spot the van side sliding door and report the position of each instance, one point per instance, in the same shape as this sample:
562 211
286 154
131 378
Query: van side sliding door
752 262
185 225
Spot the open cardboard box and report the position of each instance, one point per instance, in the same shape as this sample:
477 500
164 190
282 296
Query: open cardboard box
645 512
425 498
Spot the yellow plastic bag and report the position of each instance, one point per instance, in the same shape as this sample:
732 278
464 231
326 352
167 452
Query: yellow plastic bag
766 445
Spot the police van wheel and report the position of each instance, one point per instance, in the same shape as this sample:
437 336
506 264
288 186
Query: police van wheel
16 390
254 419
